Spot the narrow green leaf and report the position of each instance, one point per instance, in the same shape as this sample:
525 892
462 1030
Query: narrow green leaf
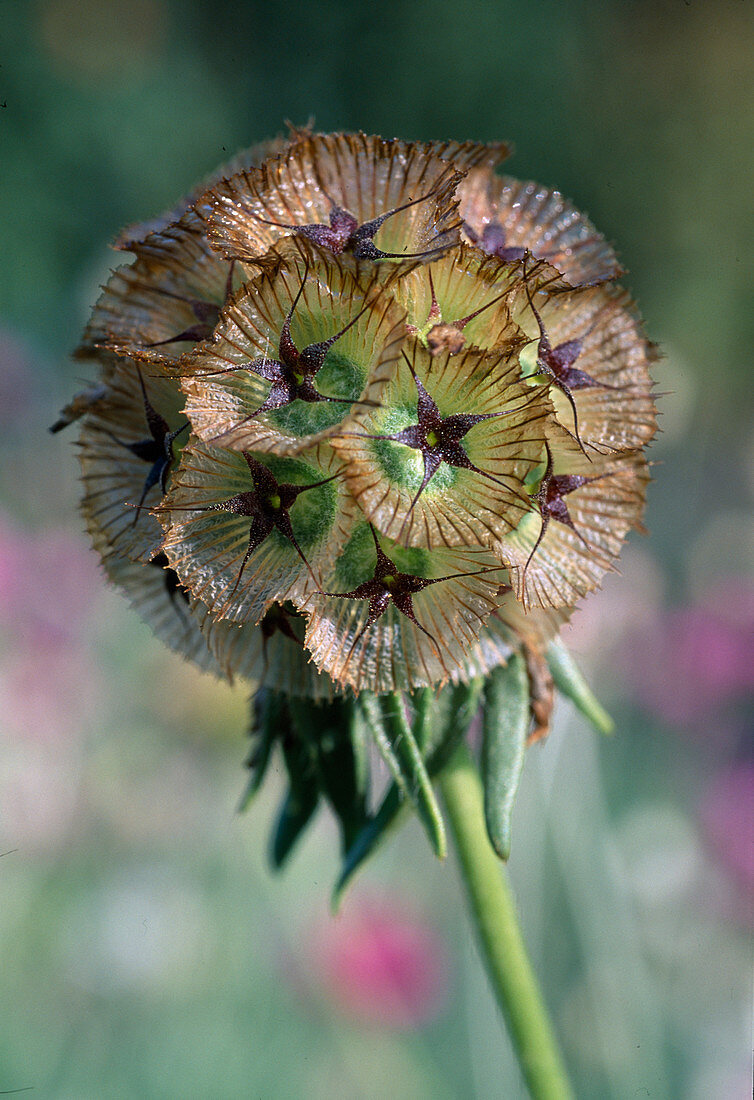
369 705
459 705
295 814
414 771
362 743
570 681
506 726
441 720
424 716
392 809
269 721
340 775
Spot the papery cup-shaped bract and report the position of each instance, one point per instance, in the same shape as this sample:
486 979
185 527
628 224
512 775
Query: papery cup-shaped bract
130 441
168 299
507 217
583 511
467 291
590 343
452 475
366 177
405 627
243 532
243 386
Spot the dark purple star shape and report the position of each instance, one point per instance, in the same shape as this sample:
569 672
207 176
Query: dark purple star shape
492 241
438 438
268 507
557 364
157 450
389 584
345 234
292 374
551 504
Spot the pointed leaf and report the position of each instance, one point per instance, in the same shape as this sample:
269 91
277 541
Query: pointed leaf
295 814
340 775
506 727
369 706
442 719
395 741
391 810
570 682
415 771
269 719
462 703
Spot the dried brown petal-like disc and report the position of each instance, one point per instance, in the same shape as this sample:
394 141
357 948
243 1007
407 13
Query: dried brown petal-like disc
466 290
503 213
230 379
594 343
470 154
396 651
588 511
364 176
168 299
490 439
271 654
129 442
240 543
504 632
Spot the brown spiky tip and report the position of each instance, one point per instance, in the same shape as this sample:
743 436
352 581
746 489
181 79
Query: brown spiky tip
509 218
375 199
79 405
444 460
396 619
590 345
298 355
583 510
243 531
129 444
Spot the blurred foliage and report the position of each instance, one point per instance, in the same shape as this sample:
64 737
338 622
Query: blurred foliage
145 949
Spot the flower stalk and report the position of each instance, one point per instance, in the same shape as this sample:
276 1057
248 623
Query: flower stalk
498 931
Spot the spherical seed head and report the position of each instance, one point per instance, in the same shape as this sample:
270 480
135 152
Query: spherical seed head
375 415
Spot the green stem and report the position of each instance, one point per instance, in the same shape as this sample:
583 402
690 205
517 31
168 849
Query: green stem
494 915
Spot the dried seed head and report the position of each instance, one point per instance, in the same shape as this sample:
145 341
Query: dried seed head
418 407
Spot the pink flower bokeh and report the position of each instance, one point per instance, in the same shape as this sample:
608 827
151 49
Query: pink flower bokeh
728 828
691 663
381 964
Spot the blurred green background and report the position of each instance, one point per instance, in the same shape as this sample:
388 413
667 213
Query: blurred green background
145 949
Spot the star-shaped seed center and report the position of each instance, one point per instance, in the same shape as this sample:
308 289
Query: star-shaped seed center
344 233
292 375
157 449
267 506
